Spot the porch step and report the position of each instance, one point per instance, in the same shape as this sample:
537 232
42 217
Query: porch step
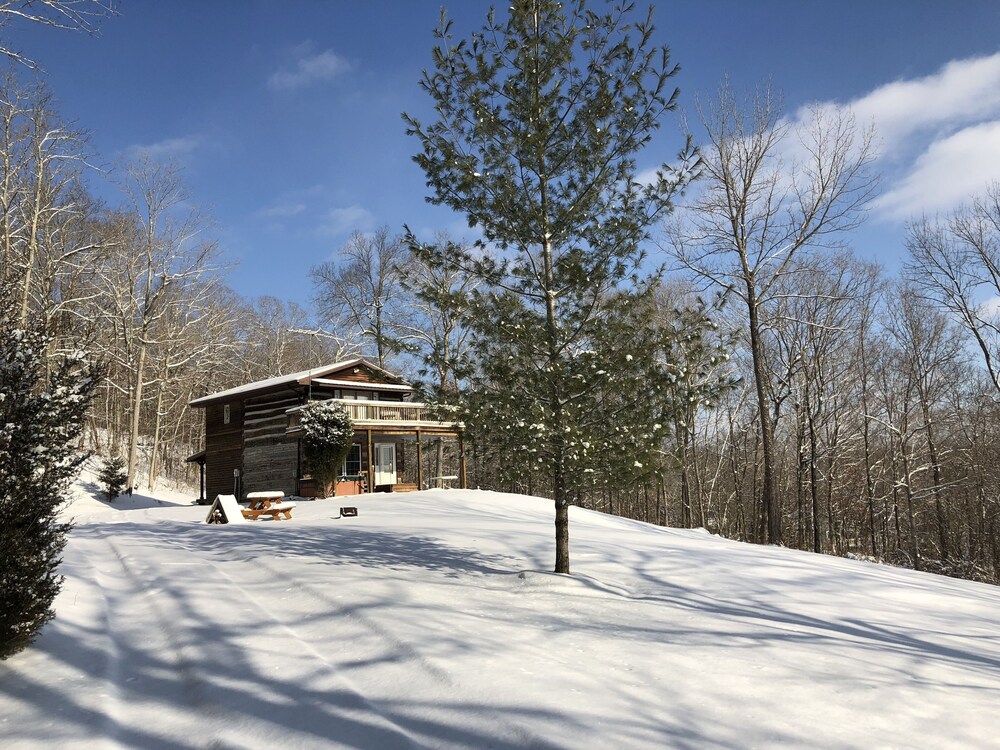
405 487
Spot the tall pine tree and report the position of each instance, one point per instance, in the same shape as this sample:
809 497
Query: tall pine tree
539 120
42 408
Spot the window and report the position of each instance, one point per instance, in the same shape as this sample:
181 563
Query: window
225 414
352 464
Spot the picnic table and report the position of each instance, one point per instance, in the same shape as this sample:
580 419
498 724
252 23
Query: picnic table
268 503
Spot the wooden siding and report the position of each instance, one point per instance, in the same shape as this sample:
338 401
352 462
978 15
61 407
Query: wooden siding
270 458
363 375
223 447
255 441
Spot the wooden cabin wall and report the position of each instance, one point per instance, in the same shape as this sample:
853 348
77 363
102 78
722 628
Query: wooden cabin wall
364 375
223 447
270 458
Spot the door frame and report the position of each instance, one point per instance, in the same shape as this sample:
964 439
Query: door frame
379 474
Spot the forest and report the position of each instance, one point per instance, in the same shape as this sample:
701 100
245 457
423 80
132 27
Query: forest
720 357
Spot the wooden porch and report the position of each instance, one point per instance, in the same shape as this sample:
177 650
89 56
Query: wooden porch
381 423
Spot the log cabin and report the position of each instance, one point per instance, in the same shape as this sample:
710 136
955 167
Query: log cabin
253 438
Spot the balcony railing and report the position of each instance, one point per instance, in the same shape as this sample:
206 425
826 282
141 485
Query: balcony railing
390 412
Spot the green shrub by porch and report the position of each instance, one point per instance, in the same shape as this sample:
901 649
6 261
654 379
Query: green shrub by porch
328 434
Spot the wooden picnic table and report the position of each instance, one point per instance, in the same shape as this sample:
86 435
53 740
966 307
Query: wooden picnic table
261 500
268 503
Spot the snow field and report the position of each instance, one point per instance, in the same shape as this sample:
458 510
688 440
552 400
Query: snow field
429 621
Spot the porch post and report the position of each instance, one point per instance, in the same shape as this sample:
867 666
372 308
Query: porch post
201 482
371 463
461 462
420 462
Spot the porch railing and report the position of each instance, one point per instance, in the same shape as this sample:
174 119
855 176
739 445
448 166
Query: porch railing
388 411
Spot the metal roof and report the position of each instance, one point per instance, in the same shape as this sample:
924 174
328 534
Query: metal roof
295 378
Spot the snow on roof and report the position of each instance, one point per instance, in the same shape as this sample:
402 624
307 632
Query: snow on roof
302 378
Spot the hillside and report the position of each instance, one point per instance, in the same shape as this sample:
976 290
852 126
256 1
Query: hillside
427 621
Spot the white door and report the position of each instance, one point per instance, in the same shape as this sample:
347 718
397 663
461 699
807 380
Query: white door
385 463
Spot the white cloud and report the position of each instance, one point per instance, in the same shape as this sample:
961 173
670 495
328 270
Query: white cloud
167 149
948 173
282 210
939 136
990 308
340 221
961 93
308 70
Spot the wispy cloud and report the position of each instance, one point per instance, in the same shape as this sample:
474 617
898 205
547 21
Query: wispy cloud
167 149
948 173
989 308
342 220
962 92
282 211
939 136
308 70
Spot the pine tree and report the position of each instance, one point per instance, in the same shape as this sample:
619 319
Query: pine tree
112 476
42 408
539 121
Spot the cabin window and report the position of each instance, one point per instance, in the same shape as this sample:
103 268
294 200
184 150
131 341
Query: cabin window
225 414
352 463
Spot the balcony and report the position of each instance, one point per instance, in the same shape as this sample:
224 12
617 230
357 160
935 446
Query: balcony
367 414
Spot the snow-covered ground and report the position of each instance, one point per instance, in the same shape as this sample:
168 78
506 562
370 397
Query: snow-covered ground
428 621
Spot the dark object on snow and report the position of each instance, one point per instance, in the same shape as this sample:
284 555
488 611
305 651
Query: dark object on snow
348 511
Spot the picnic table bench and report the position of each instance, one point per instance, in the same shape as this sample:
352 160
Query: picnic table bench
268 503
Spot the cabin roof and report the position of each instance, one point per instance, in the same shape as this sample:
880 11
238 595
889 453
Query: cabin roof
361 385
304 378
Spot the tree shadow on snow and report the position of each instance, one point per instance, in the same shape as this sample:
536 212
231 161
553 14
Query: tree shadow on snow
333 546
135 501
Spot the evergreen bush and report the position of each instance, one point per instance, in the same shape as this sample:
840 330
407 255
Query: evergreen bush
112 476
328 435
40 418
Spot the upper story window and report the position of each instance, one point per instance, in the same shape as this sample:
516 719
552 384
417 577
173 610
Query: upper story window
225 414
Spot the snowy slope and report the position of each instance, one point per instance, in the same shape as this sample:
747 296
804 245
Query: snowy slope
427 621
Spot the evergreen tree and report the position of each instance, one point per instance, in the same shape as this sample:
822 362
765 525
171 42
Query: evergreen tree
328 435
42 409
112 476
539 121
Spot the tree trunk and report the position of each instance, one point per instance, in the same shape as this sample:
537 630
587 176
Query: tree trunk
936 473
133 442
29 265
910 516
800 477
157 424
814 479
771 507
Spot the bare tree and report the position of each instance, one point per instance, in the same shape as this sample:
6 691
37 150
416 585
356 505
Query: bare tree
756 211
54 157
280 339
955 261
359 290
926 339
73 15
439 288
159 262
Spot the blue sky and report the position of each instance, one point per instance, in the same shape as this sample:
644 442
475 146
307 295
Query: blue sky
286 115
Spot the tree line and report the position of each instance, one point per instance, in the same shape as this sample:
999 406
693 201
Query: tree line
770 386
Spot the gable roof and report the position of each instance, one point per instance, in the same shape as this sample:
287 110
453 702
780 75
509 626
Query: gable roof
295 378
